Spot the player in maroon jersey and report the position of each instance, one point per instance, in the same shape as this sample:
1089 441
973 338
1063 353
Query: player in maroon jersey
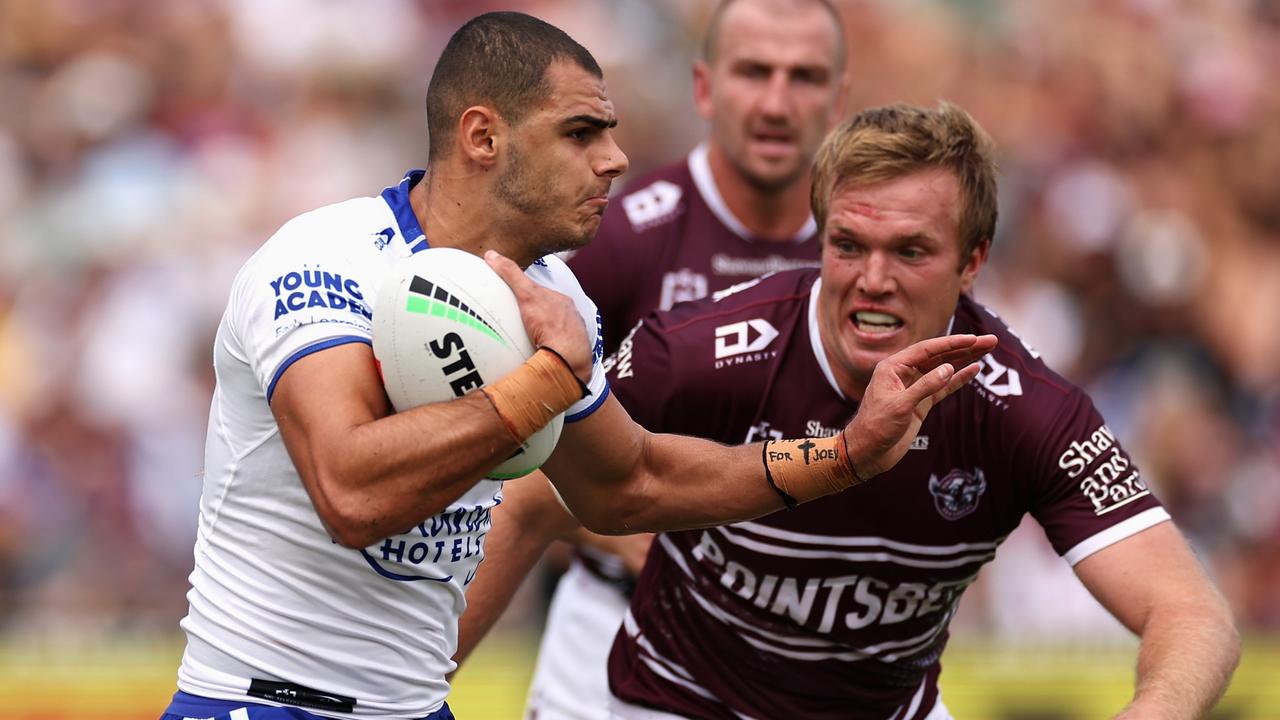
839 609
771 85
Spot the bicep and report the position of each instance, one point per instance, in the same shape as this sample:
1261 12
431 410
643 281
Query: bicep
1134 575
320 398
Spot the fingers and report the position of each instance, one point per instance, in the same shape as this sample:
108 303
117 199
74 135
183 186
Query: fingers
508 271
958 380
963 356
926 355
931 383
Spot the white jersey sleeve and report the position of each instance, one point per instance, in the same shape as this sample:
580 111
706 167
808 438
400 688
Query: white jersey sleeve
551 272
307 290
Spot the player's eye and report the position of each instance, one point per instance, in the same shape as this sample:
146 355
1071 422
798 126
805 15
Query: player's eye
809 76
754 70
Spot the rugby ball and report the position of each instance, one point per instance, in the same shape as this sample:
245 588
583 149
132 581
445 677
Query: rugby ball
445 324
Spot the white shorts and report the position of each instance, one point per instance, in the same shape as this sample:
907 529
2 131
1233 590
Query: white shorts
571 679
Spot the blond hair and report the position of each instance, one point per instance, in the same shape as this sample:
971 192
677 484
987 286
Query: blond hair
885 143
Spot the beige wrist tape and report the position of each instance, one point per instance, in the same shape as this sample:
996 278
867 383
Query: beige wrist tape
801 470
535 392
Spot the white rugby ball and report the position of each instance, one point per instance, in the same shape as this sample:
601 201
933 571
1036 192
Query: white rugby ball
445 324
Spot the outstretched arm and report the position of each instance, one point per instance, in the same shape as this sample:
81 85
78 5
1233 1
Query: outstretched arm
1152 583
618 478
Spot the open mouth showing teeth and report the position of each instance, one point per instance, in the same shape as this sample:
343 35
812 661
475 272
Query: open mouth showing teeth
875 322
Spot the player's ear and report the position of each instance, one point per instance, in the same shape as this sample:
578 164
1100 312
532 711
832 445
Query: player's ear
702 89
973 264
481 131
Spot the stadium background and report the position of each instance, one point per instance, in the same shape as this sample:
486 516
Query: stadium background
147 148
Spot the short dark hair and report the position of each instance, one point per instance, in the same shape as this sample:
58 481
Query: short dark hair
889 142
498 59
711 40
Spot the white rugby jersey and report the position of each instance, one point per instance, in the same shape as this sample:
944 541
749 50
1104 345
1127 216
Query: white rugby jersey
275 603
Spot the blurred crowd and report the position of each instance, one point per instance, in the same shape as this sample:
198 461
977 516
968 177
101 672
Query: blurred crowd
146 149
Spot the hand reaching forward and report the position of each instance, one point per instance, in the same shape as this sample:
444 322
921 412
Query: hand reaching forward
903 389
549 317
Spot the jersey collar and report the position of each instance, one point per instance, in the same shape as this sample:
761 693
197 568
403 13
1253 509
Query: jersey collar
705 182
815 339
397 198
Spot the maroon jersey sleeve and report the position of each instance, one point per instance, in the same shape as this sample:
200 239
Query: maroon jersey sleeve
695 369
657 373
1090 493
642 376
1082 487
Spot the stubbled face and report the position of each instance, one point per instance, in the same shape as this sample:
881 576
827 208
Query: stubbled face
559 162
892 269
772 90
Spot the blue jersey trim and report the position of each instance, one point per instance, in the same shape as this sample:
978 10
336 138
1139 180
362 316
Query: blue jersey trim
317 347
397 198
582 414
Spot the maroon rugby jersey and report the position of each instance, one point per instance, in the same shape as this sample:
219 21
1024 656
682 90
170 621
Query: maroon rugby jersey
671 239
839 608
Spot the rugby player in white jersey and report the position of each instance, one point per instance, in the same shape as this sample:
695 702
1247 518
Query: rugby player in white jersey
770 84
336 539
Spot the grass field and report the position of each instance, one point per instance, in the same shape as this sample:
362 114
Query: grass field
133 681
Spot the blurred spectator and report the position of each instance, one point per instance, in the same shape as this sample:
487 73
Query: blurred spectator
146 149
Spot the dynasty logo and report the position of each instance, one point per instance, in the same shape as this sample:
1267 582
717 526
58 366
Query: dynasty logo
744 342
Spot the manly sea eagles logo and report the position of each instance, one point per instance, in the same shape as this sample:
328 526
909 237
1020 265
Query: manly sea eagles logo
957 493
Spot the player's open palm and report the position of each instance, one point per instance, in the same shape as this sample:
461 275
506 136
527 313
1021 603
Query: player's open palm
903 389
549 317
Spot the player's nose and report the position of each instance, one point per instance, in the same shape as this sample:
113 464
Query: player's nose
775 100
875 277
612 162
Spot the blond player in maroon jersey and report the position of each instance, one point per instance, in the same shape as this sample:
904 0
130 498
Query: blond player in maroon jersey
840 608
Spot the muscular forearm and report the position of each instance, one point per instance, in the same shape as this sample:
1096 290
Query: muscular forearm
1187 655
714 484
649 482
617 478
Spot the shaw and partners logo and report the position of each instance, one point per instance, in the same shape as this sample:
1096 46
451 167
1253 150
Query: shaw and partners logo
958 492
744 342
1107 477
